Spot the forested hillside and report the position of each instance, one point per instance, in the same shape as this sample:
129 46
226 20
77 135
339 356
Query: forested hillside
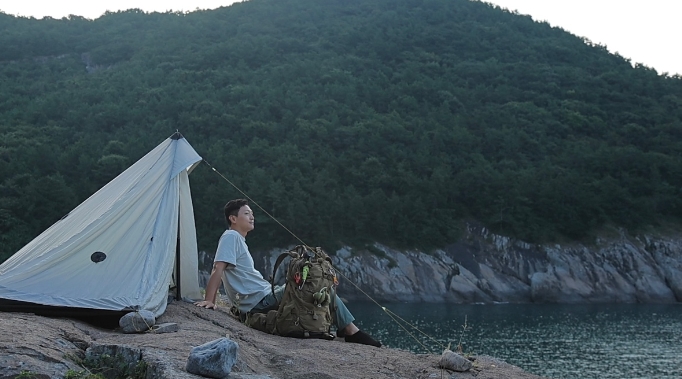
349 120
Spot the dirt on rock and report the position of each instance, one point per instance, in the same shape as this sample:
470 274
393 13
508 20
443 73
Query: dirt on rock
49 347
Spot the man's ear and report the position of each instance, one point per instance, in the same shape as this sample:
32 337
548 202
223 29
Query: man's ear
232 221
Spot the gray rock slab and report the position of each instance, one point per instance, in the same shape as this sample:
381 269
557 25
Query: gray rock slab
213 359
166 327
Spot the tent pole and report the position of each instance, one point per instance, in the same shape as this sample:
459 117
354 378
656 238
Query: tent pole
177 261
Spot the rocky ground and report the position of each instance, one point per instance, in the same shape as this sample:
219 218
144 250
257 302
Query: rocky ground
48 348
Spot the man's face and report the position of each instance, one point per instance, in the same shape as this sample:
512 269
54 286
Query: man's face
244 221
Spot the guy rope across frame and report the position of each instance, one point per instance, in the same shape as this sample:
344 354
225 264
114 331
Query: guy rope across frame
396 318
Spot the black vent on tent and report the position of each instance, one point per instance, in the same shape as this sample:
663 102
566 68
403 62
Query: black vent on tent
176 135
98 256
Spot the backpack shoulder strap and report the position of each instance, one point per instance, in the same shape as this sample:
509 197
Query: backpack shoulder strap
290 253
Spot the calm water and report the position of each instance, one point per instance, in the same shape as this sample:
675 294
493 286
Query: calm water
623 341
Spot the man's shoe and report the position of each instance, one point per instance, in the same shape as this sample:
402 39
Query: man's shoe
362 338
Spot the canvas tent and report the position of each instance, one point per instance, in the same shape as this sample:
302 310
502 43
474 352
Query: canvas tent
122 249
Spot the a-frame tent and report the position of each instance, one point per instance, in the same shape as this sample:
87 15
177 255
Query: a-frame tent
122 249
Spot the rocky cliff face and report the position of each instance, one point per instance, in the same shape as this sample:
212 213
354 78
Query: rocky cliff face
484 267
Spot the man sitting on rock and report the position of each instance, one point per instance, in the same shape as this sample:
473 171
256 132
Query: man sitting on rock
245 286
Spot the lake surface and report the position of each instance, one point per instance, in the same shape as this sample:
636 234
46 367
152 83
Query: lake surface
619 341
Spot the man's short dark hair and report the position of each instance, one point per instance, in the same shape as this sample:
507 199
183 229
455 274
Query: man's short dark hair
232 209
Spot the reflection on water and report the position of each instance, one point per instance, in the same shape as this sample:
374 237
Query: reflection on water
557 341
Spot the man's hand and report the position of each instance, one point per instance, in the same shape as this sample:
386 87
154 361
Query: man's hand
206 304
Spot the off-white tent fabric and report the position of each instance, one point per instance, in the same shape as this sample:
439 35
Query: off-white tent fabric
134 221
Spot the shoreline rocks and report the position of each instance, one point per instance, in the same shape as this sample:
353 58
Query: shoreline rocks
488 268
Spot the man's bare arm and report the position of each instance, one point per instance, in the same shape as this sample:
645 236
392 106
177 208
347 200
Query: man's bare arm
212 285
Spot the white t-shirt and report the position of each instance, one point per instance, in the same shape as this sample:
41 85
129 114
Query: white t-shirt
243 284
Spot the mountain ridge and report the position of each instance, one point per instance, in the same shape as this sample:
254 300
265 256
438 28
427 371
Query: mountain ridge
381 112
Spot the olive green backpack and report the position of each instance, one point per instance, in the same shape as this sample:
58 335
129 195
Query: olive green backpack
308 299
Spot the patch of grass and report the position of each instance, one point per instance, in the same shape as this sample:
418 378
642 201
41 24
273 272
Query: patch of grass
465 328
25 374
85 374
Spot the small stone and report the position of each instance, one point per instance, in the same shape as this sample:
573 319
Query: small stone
166 327
453 361
137 322
213 359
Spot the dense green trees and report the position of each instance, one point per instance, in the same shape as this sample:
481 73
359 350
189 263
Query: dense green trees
349 121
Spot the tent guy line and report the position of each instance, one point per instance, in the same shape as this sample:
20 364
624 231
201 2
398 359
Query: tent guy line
388 312
256 203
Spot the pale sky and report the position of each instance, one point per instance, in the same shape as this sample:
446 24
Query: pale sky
645 31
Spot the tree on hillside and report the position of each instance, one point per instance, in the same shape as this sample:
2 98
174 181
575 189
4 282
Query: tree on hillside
350 121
